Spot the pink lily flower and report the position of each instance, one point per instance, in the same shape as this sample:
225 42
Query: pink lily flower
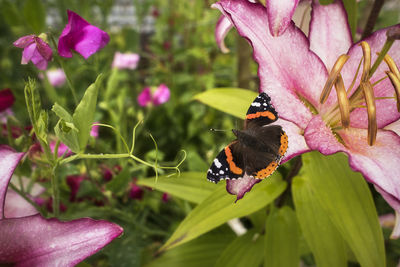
35 241
81 36
293 71
125 61
35 50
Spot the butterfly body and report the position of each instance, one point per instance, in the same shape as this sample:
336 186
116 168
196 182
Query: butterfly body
258 148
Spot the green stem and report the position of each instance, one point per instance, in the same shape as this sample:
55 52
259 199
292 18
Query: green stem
388 44
56 192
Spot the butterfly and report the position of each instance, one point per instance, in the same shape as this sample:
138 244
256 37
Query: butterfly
257 149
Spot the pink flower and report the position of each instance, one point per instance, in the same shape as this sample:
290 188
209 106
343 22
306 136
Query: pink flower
35 241
62 149
125 60
7 99
81 36
165 197
74 182
35 50
94 132
136 192
56 77
293 70
160 96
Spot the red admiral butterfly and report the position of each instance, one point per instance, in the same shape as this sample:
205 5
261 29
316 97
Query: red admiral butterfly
258 148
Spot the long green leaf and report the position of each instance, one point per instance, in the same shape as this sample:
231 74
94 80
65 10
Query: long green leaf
324 240
84 113
233 101
345 196
203 251
351 10
10 13
246 250
220 207
191 186
282 239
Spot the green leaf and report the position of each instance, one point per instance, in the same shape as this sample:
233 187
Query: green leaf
191 186
246 250
35 15
233 101
220 207
84 113
10 13
345 196
67 137
61 112
120 182
281 239
203 251
326 2
324 240
351 10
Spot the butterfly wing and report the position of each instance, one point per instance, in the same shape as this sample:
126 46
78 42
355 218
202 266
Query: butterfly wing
261 112
227 165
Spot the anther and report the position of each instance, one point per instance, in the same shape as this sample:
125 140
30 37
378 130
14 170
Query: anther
371 110
392 65
343 101
396 84
367 61
332 77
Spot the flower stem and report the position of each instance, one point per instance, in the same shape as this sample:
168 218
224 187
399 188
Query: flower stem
372 18
56 192
298 163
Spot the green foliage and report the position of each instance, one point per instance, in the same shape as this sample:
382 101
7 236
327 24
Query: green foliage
35 15
345 196
221 207
281 247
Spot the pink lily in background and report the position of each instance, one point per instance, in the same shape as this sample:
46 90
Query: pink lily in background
298 71
35 50
81 36
36 241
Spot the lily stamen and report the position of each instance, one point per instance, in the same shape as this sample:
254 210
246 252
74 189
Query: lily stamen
396 85
343 101
368 91
392 65
335 72
367 61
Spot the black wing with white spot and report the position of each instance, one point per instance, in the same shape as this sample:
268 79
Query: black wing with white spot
220 168
261 112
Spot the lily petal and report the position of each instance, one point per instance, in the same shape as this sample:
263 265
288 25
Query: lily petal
221 30
239 187
34 241
330 34
380 163
16 206
287 68
386 109
8 162
280 14
395 203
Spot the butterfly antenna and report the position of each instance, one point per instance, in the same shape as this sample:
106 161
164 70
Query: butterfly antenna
217 130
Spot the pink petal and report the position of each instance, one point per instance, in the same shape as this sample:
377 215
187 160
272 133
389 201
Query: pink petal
330 34
287 68
34 241
81 36
161 95
319 137
56 77
297 144
7 99
125 60
380 163
94 132
39 61
280 14
16 206
24 41
395 203
239 187
386 109
395 127
8 162
62 149
44 49
144 98
27 53
221 30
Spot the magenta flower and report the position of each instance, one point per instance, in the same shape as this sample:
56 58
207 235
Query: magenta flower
56 77
35 241
35 50
136 192
7 99
294 69
160 96
125 61
74 182
94 132
62 149
81 36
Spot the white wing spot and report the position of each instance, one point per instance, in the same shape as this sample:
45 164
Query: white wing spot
256 104
217 163
221 172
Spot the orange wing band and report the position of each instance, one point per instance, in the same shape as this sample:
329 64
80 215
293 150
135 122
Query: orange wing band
264 173
268 114
284 144
232 166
